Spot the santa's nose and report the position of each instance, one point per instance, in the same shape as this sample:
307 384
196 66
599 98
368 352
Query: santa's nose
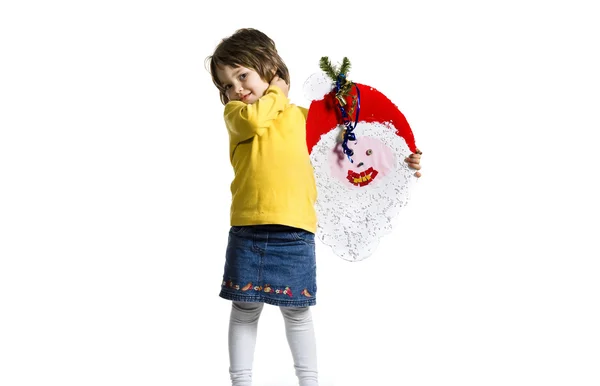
360 164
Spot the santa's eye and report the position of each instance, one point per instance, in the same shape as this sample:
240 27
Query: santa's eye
369 152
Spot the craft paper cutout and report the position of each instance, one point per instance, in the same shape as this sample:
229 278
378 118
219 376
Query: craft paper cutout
357 140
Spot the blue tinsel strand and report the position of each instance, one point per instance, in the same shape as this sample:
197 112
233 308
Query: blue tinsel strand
349 132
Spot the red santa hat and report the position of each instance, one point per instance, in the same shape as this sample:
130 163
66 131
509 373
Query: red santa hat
324 115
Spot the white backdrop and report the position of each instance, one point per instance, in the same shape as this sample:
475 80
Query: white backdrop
114 195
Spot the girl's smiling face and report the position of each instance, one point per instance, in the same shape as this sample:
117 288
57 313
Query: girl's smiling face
241 84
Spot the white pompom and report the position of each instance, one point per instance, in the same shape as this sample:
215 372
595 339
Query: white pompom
317 86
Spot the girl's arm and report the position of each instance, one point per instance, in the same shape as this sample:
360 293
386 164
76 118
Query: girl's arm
245 121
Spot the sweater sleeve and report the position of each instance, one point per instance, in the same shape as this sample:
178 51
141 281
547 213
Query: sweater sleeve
244 121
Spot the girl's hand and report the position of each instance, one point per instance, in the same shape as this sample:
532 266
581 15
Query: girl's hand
414 162
277 81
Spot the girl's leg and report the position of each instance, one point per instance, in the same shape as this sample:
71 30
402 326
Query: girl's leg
301 338
243 326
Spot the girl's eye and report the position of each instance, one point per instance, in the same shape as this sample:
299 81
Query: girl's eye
243 76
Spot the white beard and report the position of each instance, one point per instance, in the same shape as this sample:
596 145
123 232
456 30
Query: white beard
351 220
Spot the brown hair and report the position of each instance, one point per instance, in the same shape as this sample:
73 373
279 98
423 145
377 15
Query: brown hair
249 48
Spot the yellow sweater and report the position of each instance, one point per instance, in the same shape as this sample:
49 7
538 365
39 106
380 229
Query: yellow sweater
273 178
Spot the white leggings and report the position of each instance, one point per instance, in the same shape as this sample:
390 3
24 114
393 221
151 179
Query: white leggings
300 334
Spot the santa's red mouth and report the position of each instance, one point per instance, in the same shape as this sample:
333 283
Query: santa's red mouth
362 178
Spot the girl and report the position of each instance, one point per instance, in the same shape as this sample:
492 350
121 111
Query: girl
270 255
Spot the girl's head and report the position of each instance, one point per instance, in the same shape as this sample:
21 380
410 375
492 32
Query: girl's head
247 48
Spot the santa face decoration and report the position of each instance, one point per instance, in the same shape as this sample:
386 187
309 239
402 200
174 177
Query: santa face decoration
359 195
373 160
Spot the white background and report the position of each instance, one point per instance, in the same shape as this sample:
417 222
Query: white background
114 194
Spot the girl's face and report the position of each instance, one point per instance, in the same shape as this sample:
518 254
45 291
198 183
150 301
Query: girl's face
241 84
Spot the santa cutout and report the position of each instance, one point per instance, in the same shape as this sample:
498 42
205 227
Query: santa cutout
357 140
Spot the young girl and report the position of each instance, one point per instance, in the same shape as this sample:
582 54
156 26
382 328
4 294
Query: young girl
270 255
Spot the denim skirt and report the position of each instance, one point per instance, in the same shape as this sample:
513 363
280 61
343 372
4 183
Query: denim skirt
272 264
